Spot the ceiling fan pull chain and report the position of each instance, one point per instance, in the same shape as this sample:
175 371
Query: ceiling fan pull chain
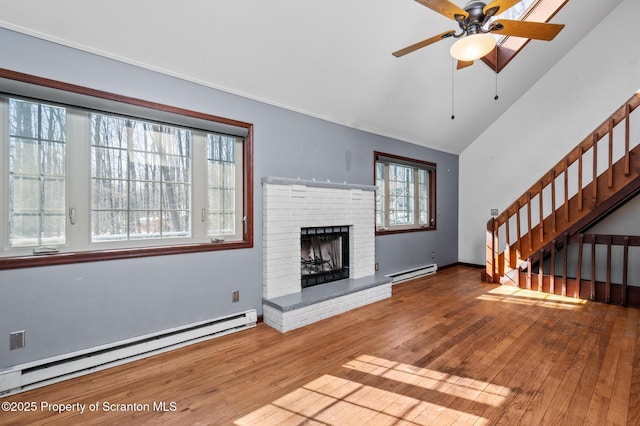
495 98
453 80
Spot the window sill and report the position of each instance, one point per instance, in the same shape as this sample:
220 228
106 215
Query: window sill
403 230
53 259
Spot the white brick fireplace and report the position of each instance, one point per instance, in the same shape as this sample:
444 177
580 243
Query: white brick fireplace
292 204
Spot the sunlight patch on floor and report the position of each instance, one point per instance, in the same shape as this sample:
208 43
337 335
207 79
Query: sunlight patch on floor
406 394
460 387
515 295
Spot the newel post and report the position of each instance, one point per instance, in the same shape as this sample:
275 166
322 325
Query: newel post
491 273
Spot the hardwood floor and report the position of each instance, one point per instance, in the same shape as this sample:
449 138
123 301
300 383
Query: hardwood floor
446 349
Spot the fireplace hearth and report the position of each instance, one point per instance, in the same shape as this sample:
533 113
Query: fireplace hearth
324 255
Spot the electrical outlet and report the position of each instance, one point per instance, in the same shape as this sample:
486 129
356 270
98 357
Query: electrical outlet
377 266
235 296
433 254
16 340
494 212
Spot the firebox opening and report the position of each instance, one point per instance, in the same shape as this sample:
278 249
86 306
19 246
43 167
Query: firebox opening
324 254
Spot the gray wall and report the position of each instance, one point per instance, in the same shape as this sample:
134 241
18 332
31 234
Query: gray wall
73 307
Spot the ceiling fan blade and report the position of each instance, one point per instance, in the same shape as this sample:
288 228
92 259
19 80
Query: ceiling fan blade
446 8
463 64
423 43
497 7
534 30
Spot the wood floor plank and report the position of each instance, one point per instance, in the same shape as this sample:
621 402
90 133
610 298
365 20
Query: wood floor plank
582 399
551 402
605 385
444 349
532 364
619 403
633 416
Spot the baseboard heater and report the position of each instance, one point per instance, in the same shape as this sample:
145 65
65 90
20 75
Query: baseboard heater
37 374
401 276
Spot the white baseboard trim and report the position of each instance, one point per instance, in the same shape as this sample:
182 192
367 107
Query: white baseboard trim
409 274
55 369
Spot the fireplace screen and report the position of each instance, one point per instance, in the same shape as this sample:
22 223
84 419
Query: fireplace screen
324 254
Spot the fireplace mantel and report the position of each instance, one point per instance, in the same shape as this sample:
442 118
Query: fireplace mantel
315 183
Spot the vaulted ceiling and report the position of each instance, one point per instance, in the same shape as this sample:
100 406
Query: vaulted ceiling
328 59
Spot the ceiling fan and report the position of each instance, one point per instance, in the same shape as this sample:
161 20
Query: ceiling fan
476 39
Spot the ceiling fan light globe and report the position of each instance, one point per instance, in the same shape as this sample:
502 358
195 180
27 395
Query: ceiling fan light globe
473 47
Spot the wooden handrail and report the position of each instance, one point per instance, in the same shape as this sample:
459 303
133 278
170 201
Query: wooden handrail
602 239
566 211
576 153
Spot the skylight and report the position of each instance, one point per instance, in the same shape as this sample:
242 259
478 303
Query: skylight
516 12
526 10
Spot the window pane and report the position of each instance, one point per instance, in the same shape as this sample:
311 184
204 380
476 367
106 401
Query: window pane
24 156
423 197
108 131
53 123
380 195
37 172
221 171
53 159
24 229
109 225
108 162
175 224
175 196
51 199
401 195
144 165
144 224
24 193
143 170
109 194
23 119
175 169
144 195
53 228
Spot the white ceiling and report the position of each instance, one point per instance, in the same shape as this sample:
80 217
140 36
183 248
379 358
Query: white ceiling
329 59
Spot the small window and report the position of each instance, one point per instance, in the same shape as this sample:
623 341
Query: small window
405 194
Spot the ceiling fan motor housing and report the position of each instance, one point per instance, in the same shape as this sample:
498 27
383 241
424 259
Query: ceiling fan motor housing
476 19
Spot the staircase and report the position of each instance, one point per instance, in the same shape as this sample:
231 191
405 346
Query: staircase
597 176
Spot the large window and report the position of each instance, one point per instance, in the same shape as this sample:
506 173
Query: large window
405 195
82 184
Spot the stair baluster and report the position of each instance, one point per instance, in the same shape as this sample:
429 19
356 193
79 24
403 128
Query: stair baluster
607 189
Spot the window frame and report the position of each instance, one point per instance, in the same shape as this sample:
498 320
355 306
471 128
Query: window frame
94 255
509 47
431 169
